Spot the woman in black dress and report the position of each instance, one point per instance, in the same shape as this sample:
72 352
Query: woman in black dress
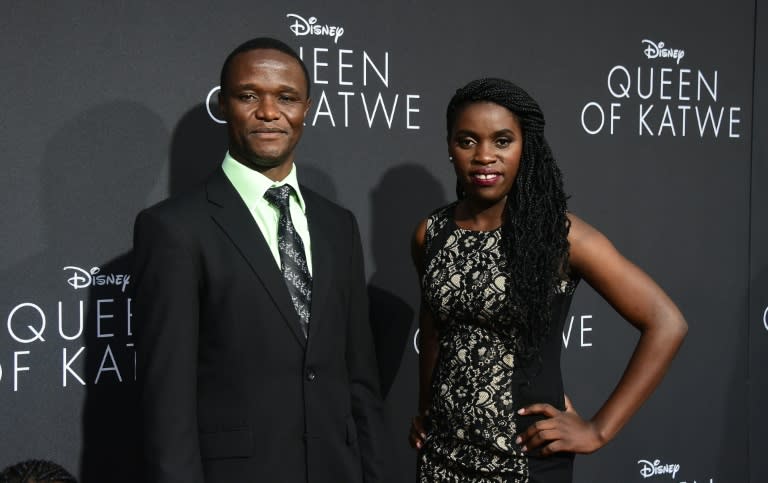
498 268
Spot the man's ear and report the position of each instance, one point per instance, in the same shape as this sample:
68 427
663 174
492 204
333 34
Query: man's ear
309 104
222 109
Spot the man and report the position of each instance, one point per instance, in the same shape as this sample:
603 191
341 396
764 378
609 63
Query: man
255 352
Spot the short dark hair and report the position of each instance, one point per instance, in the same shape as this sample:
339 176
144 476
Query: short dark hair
37 471
262 43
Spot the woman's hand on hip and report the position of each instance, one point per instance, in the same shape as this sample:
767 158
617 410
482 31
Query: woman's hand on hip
561 431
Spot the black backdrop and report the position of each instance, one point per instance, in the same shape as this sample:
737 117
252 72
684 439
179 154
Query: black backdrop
105 112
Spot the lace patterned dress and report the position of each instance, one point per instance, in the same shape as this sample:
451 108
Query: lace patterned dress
477 384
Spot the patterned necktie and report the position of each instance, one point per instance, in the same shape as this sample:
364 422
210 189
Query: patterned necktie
292 257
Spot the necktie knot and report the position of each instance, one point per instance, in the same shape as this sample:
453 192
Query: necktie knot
278 196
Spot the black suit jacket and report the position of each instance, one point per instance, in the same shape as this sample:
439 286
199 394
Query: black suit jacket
231 389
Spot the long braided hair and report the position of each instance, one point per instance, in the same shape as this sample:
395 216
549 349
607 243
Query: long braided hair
37 471
535 225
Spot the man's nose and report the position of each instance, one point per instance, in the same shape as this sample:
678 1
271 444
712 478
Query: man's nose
267 110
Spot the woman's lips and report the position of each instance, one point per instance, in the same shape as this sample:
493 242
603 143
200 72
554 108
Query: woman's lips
485 179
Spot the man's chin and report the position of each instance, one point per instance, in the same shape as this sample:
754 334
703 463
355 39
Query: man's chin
268 163
262 162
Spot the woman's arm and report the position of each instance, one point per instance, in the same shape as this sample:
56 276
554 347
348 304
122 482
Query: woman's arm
428 346
638 299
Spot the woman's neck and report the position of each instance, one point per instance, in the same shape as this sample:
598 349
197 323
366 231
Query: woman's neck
476 215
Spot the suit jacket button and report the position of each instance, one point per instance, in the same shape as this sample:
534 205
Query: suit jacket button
311 375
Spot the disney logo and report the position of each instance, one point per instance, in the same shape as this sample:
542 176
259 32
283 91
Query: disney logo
654 468
302 26
81 278
653 50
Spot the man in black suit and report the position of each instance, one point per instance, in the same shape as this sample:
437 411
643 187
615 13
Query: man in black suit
255 354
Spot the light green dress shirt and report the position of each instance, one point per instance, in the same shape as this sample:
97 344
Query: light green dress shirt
251 185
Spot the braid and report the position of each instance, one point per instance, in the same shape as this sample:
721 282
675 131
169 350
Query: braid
535 225
36 471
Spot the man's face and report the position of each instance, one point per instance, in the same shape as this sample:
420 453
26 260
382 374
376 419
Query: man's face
264 103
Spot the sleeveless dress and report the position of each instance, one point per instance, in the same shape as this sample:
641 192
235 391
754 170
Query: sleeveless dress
478 384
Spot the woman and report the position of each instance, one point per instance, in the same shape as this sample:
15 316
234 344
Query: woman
498 269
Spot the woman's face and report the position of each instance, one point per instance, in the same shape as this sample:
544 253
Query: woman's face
486 144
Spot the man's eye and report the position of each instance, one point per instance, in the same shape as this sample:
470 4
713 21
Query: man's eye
247 97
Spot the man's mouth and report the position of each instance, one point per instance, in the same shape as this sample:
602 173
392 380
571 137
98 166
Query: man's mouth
268 133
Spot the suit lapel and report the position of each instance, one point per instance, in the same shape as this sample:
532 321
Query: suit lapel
231 214
320 232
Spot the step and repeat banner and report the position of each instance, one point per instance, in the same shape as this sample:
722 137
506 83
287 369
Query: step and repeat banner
110 108
758 294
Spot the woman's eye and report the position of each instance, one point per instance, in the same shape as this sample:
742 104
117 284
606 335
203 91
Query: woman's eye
503 142
465 143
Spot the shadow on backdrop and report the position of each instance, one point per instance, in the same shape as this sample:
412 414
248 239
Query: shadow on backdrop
758 392
404 196
197 149
97 173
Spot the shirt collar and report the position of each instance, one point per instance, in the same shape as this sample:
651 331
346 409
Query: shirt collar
252 185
